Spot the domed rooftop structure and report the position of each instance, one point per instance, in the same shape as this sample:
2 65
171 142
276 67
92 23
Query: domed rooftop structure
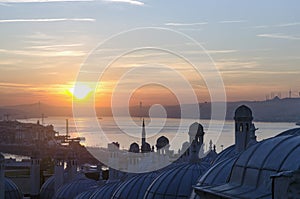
294 132
216 175
251 171
106 191
161 142
11 190
134 148
86 194
136 187
47 190
177 182
225 154
196 130
74 188
243 112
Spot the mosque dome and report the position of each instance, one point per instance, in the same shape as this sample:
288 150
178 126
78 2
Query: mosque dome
243 112
136 187
251 171
86 194
196 130
105 191
225 154
11 190
47 189
216 175
134 148
74 188
177 182
294 132
162 142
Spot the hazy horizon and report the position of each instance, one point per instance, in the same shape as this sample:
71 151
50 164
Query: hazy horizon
253 45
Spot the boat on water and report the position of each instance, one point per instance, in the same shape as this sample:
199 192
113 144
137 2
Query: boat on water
298 123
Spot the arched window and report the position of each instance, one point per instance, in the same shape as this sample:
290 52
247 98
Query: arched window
247 127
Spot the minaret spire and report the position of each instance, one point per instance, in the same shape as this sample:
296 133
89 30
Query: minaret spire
143 133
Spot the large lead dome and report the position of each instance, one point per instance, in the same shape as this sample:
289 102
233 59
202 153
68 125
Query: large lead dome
251 171
136 187
11 190
177 182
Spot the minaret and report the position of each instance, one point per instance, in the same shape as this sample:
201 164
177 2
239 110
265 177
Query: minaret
58 171
35 176
243 123
71 166
2 168
143 134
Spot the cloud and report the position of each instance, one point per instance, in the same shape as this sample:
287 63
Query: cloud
64 53
40 1
132 2
233 21
277 25
185 24
47 20
54 47
279 36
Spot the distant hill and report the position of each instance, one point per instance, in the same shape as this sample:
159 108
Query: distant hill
275 110
33 111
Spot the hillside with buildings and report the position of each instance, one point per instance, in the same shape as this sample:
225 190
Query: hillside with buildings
273 110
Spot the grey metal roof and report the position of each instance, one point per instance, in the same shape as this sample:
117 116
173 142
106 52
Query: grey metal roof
47 189
250 175
11 190
177 182
136 187
74 188
105 191
86 194
225 154
218 174
295 132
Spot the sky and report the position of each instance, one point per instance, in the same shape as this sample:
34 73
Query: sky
45 44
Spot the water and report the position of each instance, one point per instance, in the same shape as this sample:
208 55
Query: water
175 130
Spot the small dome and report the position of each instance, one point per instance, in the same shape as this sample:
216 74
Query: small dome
74 188
243 112
177 182
162 142
11 190
134 148
105 191
136 187
196 130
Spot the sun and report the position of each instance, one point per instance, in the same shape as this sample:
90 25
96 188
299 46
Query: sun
80 90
